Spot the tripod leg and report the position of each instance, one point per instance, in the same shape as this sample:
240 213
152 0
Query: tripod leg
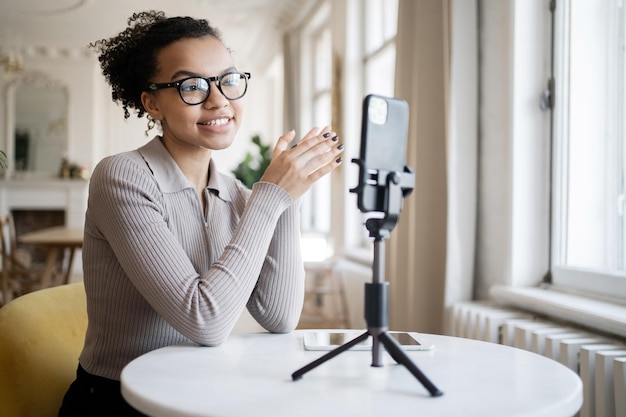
298 374
396 352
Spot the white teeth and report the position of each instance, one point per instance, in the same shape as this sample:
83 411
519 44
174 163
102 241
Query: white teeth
217 122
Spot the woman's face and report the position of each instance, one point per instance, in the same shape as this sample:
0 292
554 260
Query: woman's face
210 125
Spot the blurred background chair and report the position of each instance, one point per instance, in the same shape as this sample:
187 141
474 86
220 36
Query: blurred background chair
17 277
325 302
41 336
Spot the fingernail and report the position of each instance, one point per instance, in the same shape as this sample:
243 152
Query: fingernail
327 134
340 146
338 160
335 138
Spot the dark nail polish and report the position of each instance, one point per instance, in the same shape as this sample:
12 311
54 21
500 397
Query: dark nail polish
338 160
327 134
335 138
340 146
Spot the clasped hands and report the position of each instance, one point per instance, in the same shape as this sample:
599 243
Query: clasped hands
297 168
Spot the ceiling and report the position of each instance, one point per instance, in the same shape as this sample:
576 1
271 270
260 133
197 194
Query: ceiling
66 27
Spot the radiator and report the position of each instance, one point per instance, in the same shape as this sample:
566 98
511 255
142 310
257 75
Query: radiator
599 360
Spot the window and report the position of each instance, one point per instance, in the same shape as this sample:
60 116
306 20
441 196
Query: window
317 108
379 27
589 251
367 39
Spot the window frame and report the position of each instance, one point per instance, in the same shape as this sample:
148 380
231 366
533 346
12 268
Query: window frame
313 30
591 282
357 242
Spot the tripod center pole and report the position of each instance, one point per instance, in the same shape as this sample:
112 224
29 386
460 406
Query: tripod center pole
378 265
376 301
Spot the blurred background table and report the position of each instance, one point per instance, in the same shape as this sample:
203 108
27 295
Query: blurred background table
60 241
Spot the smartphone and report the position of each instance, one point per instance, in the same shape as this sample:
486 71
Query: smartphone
331 339
384 132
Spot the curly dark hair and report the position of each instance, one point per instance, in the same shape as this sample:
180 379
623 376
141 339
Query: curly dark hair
129 60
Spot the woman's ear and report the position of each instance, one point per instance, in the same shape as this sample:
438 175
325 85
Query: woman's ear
150 104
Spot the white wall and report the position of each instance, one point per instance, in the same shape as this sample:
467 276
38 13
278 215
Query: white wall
96 126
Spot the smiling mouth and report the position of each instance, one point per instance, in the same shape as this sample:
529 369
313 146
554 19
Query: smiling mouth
216 122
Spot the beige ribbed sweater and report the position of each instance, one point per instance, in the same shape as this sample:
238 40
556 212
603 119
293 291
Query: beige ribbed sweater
158 271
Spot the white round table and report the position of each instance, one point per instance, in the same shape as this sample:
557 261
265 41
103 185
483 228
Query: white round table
250 375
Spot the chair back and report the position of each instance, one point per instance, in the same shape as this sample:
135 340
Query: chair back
16 277
7 230
41 336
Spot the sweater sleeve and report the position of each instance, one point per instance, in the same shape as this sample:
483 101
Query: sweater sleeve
128 211
277 300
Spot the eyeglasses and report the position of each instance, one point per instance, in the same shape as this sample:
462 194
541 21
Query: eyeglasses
196 90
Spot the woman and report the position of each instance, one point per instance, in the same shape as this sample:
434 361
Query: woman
174 250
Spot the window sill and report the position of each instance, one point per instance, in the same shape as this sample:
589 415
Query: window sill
606 316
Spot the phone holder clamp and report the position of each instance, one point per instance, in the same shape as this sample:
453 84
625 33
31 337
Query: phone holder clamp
396 187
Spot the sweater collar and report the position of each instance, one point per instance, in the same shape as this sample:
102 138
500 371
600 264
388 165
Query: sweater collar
168 174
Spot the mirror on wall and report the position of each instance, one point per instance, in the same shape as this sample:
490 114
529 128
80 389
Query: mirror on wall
37 117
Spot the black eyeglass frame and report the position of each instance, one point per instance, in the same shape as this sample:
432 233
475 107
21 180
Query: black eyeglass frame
218 78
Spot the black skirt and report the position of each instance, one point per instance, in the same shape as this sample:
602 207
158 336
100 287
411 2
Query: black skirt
95 396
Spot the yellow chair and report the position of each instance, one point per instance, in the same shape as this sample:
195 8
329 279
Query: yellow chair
41 336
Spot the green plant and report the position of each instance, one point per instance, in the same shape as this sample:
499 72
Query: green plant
254 164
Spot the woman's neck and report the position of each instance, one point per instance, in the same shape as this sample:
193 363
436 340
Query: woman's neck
193 161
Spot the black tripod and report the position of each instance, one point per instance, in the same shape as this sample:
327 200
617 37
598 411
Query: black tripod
396 187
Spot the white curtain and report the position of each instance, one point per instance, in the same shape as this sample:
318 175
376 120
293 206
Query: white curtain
430 255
